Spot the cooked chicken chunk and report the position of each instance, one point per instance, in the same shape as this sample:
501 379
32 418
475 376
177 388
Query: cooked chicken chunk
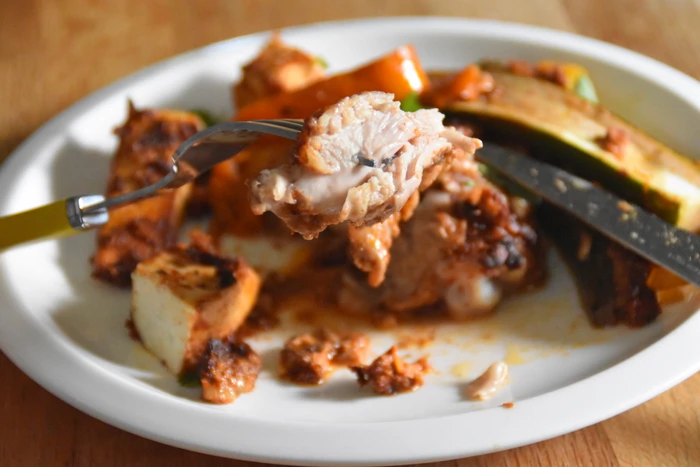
310 358
185 296
228 369
389 374
370 245
278 68
359 160
138 231
466 246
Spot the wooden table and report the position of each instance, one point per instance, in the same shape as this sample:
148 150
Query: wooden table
54 53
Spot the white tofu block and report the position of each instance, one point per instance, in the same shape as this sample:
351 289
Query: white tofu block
182 298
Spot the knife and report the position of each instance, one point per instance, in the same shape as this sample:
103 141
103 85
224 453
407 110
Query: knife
644 233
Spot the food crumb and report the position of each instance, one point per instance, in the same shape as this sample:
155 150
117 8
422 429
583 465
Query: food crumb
580 184
584 246
592 209
561 186
508 405
670 238
624 206
389 374
615 142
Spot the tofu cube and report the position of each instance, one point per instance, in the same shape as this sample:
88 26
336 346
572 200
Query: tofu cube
185 296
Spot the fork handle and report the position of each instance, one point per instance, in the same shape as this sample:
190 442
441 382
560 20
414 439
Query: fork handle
57 219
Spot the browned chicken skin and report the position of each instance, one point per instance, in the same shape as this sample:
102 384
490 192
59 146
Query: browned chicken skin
138 231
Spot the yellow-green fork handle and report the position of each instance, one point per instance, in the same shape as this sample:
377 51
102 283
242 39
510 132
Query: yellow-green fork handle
57 219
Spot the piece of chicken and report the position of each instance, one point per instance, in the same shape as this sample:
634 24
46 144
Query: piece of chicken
278 68
370 246
359 161
466 246
138 231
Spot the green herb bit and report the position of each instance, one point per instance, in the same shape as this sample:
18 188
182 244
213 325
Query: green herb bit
321 61
207 117
411 103
584 88
189 379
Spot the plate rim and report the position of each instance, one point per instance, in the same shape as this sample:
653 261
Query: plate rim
635 367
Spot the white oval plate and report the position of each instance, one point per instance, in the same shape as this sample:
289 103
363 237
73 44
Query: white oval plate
67 331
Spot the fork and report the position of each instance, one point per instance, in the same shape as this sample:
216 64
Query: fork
195 156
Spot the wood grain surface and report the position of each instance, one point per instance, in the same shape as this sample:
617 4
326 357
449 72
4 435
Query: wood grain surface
53 53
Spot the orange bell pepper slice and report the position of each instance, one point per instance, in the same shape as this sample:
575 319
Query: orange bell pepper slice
399 73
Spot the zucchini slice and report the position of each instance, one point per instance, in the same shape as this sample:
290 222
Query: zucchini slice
570 131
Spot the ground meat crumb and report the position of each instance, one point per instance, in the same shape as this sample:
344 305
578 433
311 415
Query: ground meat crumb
615 141
228 369
308 359
388 374
624 206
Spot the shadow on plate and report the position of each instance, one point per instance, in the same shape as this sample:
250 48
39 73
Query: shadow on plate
338 390
168 383
94 319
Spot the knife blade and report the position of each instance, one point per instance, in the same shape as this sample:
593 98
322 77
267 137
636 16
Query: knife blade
640 231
